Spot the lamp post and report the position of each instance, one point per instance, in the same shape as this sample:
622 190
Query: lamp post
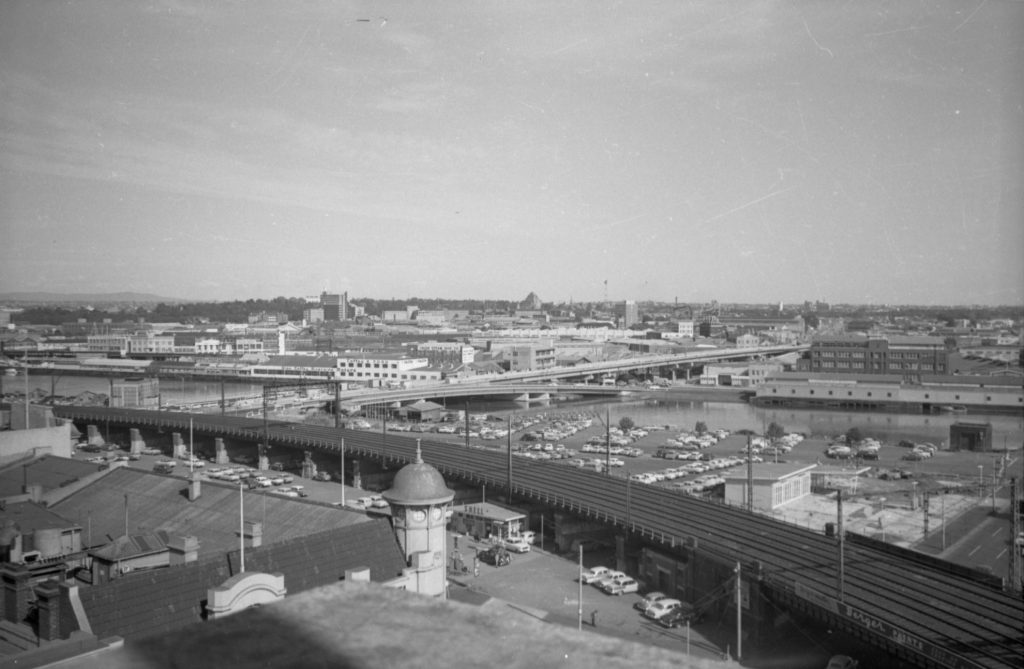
981 480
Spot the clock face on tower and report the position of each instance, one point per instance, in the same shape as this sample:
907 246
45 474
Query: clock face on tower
418 515
435 513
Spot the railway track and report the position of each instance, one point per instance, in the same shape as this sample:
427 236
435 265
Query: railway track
951 619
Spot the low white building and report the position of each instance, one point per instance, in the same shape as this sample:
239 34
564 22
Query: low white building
773 485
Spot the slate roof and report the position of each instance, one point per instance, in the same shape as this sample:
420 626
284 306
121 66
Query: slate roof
49 471
136 545
154 602
159 502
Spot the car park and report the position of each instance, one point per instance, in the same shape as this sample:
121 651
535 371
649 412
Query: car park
662 608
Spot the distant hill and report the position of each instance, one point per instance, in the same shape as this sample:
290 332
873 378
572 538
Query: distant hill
83 298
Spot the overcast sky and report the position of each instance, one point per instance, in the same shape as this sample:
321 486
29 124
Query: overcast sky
744 151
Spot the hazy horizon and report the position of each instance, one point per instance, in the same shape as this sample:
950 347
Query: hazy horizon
858 153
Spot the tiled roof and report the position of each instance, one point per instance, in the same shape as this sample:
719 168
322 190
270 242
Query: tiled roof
158 601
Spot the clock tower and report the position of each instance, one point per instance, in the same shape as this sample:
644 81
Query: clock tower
419 502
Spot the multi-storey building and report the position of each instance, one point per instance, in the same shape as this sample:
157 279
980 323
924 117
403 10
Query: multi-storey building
532 356
335 306
630 313
373 369
446 352
859 354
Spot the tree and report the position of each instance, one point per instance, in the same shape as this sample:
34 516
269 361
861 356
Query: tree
854 435
626 424
701 427
775 431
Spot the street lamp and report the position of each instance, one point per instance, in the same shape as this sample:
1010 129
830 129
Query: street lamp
981 480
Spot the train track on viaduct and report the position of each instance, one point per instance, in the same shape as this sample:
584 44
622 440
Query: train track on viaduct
933 616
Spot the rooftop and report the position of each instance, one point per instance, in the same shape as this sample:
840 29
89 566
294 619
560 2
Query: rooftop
158 502
366 625
49 471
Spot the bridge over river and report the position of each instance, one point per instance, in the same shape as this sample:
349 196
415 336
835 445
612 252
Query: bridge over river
919 609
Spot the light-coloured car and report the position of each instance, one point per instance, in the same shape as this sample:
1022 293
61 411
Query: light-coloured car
620 586
662 608
594 573
516 545
608 576
649 599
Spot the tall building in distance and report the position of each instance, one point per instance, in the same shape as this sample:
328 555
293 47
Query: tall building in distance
630 313
335 306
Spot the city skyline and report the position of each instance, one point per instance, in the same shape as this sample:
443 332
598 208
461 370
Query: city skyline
864 154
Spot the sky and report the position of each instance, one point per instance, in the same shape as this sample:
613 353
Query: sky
690 150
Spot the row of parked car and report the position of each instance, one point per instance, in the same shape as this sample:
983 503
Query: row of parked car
610 581
657 606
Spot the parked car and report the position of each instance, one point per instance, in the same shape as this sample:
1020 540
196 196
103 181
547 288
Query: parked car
594 573
516 544
529 536
608 576
496 556
662 608
620 586
680 616
841 662
649 599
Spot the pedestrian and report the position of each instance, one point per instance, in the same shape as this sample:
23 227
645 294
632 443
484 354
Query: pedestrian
456 542
593 618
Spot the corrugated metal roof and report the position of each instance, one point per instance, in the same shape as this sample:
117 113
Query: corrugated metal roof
156 502
49 471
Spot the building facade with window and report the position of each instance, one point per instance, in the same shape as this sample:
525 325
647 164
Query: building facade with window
859 354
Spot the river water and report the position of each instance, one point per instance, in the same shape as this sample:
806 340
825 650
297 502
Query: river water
1007 430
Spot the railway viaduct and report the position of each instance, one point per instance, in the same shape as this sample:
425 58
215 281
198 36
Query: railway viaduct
921 610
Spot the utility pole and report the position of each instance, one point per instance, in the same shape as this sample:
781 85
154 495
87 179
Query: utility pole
343 472
739 614
841 542
607 439
241 529
750 478
579 596
1015 548
509 499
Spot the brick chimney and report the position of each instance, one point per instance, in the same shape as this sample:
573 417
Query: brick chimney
16 591
48 597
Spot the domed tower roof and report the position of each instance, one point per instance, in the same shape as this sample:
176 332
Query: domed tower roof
418 483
